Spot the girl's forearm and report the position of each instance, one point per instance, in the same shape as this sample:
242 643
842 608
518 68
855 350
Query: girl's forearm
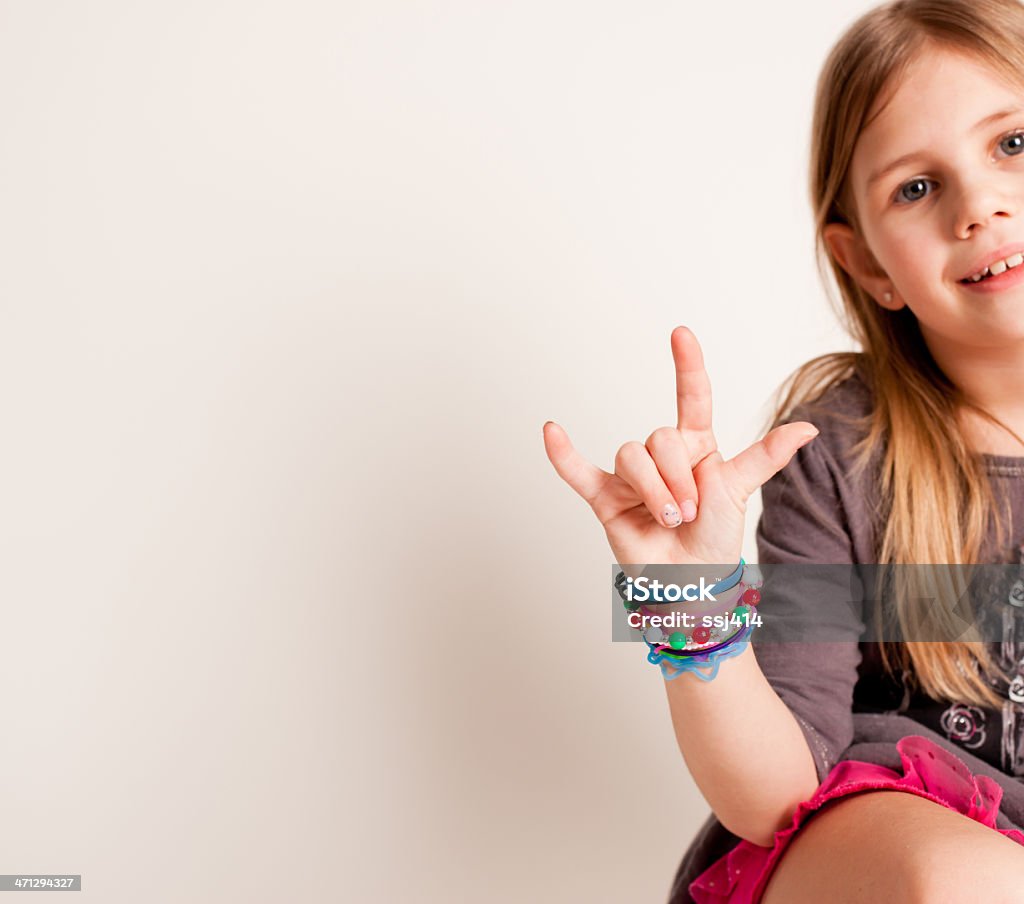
743 747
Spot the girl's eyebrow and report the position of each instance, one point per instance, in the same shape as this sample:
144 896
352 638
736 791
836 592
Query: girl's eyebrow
908 158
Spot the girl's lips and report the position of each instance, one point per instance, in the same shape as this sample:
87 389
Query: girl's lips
1003 281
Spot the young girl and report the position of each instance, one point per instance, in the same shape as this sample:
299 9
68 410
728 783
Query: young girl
917 178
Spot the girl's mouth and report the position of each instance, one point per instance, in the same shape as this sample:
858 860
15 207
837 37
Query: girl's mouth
1005 280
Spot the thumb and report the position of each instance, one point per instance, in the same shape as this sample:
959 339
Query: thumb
761 461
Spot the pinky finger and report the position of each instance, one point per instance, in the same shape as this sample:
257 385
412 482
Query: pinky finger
586 479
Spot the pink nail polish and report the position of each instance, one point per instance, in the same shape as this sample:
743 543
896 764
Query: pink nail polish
670 515
689 510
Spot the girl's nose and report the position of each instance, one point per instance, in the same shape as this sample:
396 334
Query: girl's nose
979 204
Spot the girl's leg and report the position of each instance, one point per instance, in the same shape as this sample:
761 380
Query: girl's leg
893 846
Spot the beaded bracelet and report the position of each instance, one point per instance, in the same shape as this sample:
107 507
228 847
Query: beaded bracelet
702 652
701 637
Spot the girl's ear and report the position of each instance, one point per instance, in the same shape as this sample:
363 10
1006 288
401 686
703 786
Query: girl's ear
856 259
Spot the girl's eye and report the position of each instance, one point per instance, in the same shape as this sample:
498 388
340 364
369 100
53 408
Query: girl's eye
1013 144
914 190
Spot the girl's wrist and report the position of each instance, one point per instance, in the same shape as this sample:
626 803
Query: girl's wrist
701 643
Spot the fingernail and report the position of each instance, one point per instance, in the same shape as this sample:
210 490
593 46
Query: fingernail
807 439
689 510
670 515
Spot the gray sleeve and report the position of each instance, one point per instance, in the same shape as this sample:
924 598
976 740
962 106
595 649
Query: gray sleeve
804 523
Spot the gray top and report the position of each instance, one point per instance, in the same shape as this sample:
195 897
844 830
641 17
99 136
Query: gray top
815 512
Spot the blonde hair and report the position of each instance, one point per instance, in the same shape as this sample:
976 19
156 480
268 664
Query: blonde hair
935 499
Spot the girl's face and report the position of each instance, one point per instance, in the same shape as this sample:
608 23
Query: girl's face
938 183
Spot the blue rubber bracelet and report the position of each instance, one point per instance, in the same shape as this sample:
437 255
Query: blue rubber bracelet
699 670
729 582
703 664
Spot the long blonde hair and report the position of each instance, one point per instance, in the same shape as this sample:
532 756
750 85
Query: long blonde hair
937 500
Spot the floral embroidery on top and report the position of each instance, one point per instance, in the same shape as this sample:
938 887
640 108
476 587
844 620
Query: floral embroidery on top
964 724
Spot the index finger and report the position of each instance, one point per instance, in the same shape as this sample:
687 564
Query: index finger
693 388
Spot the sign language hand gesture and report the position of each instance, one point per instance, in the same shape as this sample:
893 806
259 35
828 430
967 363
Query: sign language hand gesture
674 499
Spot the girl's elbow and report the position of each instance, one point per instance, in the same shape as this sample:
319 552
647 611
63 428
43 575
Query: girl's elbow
762 840
758 835
758 828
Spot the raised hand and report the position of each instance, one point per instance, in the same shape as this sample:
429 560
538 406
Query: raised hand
673 499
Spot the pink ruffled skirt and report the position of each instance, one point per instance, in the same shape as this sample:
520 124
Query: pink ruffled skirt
929 771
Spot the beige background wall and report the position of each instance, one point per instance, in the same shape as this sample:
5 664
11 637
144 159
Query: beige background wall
293 606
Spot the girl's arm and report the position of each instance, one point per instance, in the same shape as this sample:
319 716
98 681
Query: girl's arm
743 747
675 500
790 703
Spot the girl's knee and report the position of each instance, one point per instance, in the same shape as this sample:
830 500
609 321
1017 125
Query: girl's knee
966 861
895 845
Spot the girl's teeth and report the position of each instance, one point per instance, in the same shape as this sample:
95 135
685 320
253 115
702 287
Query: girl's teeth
998 267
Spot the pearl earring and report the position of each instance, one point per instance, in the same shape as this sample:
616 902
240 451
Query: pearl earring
888 296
